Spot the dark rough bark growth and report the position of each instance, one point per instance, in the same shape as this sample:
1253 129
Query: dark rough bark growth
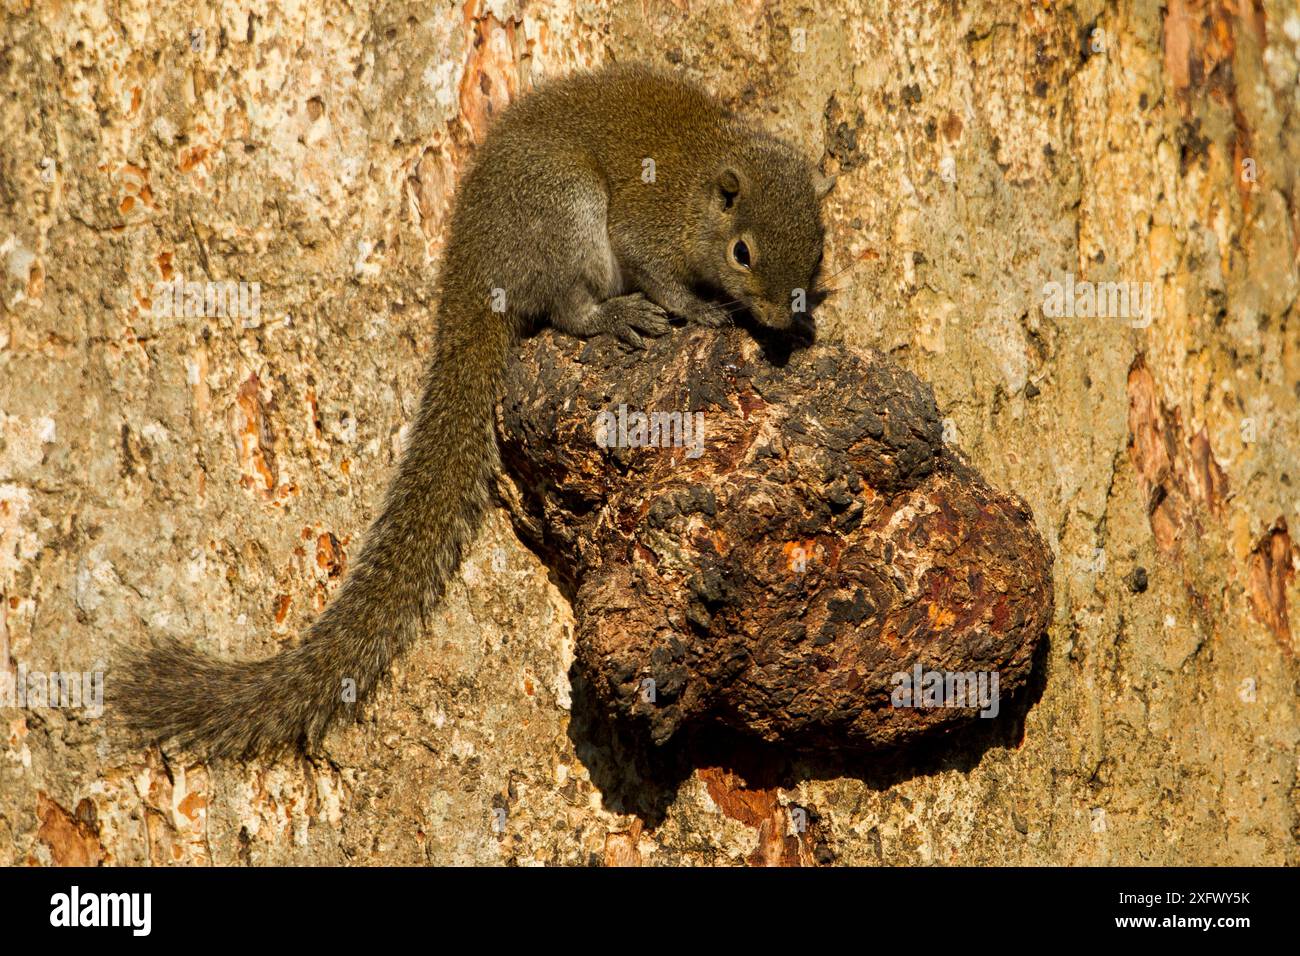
773 574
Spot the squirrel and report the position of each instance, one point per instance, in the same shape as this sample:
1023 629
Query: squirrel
602 203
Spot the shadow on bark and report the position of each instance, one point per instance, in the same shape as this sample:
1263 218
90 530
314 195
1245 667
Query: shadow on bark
637 777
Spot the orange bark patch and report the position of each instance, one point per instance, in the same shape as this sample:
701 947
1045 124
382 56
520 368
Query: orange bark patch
253 439
313 413
1200 47
759 808
191 156
329 555
134 181
940 617
1208 483
491 78
73 841
1272 568
193 805
798 554
1176 474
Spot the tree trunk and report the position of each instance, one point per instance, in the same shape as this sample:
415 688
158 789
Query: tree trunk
1080 224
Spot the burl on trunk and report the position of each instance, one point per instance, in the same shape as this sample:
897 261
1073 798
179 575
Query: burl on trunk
768 540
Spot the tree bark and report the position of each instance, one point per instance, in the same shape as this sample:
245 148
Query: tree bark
207 474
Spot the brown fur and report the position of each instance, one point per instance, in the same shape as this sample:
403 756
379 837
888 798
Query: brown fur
555 213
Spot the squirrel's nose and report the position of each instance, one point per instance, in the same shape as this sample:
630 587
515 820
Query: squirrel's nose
803 327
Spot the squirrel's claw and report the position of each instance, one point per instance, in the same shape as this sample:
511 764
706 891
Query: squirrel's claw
710 316
629 315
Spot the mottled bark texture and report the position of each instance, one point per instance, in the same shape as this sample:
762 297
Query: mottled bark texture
208 477
763 540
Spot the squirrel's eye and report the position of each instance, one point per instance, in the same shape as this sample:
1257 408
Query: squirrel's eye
740 254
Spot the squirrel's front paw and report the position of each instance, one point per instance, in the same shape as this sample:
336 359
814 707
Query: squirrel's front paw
709 315
628 315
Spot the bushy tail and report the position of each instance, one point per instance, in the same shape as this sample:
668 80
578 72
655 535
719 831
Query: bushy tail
430 513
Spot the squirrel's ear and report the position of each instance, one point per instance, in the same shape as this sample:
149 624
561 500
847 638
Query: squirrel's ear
729 183
823 185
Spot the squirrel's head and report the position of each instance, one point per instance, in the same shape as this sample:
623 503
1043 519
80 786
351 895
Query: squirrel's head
763 233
